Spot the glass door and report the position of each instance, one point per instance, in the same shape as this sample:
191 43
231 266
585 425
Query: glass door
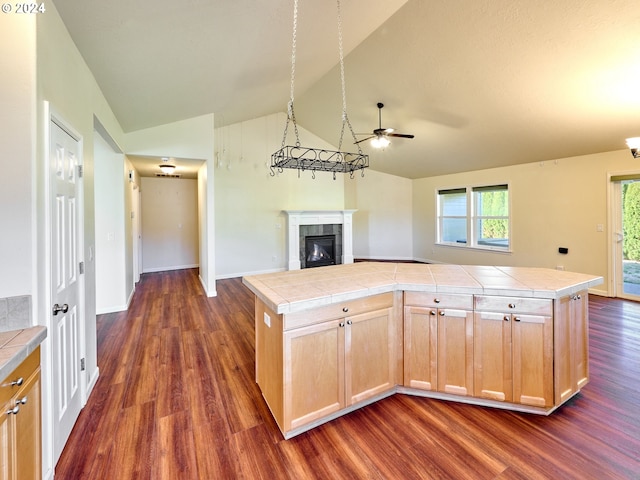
627 237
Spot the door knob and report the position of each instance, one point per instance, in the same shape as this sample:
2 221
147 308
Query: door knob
57 308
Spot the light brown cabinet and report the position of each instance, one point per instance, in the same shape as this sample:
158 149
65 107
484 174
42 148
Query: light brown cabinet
20 425
328 366
528 354
513 350
571 355
438 345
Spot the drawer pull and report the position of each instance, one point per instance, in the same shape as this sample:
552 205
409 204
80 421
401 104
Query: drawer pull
14 410
349 322
507 318
432 312
17 382
442 314
436 300
517 319
345 309
512 305
21 401
341 324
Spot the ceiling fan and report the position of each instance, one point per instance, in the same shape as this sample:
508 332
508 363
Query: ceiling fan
379 136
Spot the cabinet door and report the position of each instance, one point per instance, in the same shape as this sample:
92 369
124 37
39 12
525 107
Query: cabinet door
420 347
7 447
313 372
492 356
580 328
571 345
28 428
455 351
532 352
370 354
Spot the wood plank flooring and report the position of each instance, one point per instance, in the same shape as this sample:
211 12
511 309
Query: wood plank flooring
176 399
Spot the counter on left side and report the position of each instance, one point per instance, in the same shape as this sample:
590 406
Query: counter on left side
17 345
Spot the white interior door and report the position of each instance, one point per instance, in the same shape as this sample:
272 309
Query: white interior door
66 288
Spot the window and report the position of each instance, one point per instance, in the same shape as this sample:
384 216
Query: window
475 217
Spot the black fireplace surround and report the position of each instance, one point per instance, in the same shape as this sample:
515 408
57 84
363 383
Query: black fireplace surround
320 250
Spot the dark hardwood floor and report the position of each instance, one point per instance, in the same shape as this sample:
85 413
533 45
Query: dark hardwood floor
176 399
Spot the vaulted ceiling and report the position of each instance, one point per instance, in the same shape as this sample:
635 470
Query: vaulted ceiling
480 83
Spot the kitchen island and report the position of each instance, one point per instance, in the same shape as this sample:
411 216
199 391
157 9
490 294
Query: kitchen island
333 339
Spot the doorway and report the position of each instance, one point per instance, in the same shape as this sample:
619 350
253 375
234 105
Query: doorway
626 238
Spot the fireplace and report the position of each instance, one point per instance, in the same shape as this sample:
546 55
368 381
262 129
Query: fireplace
306 223
319 250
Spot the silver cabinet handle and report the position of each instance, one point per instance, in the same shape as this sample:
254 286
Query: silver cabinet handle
512 305
21 401
442 313
341 324
345 309
432 312
517 319
349 322
17 383
436 300
14 410
507 318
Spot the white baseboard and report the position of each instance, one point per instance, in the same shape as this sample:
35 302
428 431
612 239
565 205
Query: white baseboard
169 268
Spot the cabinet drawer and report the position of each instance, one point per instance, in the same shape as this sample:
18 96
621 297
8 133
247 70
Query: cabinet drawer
436 300
24 371
537 306
337 310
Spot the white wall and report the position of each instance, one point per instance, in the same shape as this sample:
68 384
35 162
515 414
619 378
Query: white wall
556 203
193 139
382 225
17 153
111 294
250 225
169 224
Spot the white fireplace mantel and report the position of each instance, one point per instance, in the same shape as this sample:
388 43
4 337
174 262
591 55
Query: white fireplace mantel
318 217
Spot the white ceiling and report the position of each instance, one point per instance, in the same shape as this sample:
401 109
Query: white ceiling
481 83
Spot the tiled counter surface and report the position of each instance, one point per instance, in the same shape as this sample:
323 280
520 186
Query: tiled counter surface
16 345
296 290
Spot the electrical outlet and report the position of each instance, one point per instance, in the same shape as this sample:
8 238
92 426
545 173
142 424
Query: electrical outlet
267 320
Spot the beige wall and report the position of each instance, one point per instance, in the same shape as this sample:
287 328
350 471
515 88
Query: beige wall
169 224
557 203
17 153
250 225
382 227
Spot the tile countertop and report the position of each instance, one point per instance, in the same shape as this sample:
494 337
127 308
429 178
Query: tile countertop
296 290
16 345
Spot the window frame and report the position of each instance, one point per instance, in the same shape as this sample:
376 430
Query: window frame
472 240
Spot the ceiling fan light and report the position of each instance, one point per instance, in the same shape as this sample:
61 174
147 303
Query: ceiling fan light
634 145
380 142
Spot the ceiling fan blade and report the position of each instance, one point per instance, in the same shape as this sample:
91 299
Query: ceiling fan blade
364 139
401 135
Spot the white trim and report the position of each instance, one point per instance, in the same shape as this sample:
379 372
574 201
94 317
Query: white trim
318 217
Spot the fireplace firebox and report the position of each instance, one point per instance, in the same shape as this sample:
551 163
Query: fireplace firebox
319 250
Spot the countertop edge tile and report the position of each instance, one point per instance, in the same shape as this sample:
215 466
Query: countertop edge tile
536 283
19 348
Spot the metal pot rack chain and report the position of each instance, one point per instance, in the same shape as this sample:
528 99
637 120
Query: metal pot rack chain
317 159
